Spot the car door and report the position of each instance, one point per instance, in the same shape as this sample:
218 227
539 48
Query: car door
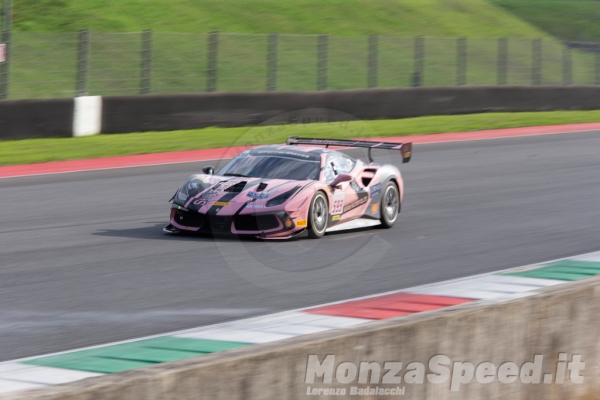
348 198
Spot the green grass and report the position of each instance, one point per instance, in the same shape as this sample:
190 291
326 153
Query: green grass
575 20
44 150
476 18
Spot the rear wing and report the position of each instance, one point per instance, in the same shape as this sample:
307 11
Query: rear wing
405 148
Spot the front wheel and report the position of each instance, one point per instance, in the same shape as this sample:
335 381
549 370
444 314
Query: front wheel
390 205
317 216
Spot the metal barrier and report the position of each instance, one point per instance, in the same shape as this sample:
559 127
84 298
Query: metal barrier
97 63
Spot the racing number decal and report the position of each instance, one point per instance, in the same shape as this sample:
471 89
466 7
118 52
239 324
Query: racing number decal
338 207
338 204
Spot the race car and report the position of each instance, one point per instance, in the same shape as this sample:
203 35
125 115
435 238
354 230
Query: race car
281 191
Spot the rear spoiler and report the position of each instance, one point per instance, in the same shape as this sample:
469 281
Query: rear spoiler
405 148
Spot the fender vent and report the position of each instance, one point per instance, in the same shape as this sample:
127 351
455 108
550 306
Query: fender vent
367 176
262 186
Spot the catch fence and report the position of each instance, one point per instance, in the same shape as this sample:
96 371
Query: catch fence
40 65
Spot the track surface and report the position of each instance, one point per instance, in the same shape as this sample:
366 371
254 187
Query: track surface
83 260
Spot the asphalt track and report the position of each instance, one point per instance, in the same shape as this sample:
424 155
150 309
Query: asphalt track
83 260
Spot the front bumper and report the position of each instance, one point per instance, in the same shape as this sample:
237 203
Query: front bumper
277 224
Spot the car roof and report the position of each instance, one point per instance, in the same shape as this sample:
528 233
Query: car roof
300 152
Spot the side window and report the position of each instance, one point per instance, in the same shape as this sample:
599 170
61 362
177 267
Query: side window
337 163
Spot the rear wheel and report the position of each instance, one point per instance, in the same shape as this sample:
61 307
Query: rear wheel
317 216
390 205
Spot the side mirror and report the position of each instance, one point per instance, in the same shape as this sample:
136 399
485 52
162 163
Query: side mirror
341 178
208 170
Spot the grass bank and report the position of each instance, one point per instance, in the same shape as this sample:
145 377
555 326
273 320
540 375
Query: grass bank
45 150
565 19
475 18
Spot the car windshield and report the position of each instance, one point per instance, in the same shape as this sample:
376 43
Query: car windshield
272 167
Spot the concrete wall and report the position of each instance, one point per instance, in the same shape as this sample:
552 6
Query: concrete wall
561 319
125 114
170 112
23 119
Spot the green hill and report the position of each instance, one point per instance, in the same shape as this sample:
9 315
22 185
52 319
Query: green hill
575 20
476 18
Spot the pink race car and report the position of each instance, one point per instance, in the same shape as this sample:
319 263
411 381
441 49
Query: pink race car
278 192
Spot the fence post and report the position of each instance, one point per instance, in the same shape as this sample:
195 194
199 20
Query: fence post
502 61
272 56
7 40
213 58
536 63
567 66
322 61
461 61
419 57
597 69
146 84
373 62
83 51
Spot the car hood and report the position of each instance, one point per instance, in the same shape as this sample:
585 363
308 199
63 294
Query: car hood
224 195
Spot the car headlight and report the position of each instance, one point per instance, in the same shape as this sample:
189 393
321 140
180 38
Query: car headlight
191 187
182 195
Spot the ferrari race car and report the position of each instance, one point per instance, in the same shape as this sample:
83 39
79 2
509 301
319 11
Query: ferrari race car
280 191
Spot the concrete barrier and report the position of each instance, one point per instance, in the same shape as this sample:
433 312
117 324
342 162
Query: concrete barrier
26 119
560 325
172 112
125 114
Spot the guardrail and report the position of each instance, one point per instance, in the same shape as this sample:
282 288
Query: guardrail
82 116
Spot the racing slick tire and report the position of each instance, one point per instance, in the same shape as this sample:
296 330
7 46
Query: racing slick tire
390 205
318 214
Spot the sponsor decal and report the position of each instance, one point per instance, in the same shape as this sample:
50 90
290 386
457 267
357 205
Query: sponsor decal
336 218
408 154
301 222
357 203
193 185
211 194
221 204
338 204
376 190
259 195
374 208
249 205
200 203
283 153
